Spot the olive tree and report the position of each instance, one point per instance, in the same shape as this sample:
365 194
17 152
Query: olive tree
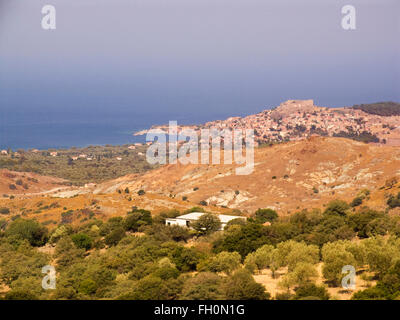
207 224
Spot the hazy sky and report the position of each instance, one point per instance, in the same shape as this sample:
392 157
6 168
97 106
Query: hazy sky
201 57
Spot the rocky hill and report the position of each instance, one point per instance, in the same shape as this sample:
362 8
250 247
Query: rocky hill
289 176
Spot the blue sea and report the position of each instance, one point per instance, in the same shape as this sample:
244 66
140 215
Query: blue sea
59 131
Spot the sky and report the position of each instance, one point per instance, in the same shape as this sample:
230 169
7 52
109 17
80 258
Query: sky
193 59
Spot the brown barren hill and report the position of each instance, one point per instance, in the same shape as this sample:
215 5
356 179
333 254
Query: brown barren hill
20 183
286 177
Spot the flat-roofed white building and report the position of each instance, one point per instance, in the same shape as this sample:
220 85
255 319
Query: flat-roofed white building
186 219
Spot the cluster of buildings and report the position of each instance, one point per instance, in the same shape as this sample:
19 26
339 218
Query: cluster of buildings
299 119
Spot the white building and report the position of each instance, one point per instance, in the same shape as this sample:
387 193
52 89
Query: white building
187 219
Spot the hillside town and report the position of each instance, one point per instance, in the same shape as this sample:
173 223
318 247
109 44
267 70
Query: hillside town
299 119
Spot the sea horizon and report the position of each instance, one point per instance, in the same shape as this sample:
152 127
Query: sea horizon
29 131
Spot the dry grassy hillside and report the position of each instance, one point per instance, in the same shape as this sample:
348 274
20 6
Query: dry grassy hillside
52 210
286 177
12 182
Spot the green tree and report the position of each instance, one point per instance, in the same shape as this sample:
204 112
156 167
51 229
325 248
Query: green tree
302 274
380 254
207 224
290 253
360 221
224 262
114 237
242 239
136 219
30 230
260 259
335 257
82 241
203 286
166 269
67 253
242 286
186 259
337 207
264 215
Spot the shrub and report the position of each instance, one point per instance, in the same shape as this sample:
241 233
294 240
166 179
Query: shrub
311 290
4 210
87 286
17 294
148 288
394 202
356 202
82 241
114 237
29 230
166 269
136 219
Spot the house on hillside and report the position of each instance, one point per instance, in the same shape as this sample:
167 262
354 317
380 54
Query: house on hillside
186 219
4 152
